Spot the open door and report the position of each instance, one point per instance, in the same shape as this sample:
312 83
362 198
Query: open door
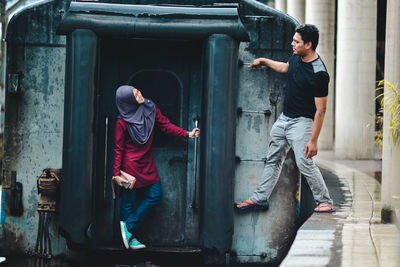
167 72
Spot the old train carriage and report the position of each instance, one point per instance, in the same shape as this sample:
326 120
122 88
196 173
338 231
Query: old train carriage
64 63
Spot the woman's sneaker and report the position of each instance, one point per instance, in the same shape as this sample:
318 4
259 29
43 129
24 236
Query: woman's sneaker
126 235
135 244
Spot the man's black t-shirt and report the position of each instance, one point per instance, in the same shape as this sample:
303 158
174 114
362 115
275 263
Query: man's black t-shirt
305 80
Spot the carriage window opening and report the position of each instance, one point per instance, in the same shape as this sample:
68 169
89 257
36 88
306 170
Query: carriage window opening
166 91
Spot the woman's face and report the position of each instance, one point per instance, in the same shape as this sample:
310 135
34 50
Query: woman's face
138 96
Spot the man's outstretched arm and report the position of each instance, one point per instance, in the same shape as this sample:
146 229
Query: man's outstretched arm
277 66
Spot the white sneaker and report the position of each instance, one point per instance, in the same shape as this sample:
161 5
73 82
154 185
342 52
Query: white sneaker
135 244
126 235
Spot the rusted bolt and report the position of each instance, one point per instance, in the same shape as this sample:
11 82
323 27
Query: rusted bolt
263 255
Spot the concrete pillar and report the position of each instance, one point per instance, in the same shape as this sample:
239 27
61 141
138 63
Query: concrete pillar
296 9
280 5
355 79
321 13
391 152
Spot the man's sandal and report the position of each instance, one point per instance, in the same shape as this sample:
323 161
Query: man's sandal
324 209
251 206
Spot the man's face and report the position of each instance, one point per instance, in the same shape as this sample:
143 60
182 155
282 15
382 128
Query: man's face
138 96
298 46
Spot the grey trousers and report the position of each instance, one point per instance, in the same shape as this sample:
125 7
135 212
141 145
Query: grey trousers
292 133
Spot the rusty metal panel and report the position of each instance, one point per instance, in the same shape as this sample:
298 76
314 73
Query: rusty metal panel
255 126
263 237
33 116
33 137
37 24
266 236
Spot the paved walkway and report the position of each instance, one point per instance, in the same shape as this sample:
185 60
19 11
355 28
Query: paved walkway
353 235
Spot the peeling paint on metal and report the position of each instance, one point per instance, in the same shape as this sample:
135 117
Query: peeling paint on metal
257 123
249 118
261 237
33 137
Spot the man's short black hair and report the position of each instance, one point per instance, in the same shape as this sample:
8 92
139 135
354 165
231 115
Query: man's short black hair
309 33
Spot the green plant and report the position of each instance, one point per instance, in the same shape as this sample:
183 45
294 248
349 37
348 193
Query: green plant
389 103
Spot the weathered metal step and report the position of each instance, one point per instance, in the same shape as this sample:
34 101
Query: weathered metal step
156 249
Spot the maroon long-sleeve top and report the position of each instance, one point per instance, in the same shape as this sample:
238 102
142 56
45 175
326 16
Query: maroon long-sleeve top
137 159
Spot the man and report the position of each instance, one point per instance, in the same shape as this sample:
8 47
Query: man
301 122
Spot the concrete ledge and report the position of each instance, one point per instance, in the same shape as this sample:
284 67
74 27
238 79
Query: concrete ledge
353 235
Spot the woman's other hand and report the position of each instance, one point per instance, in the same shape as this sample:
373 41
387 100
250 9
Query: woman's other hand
194 133
119 180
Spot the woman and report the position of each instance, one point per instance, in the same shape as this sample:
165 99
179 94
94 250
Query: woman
134 133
